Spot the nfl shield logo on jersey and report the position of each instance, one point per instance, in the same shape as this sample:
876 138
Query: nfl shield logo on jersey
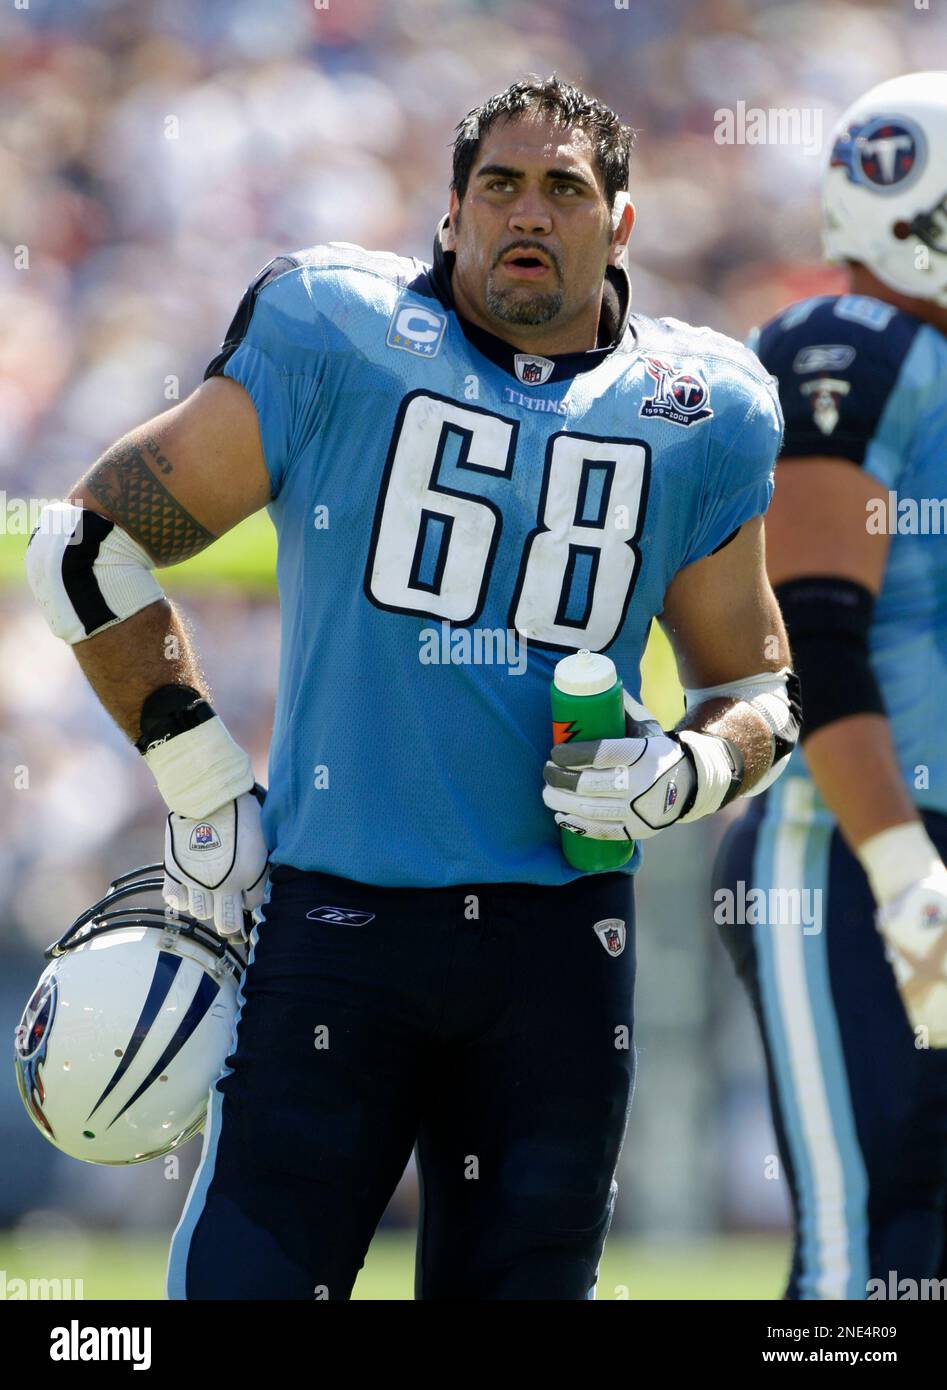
532 371
611 932
681 397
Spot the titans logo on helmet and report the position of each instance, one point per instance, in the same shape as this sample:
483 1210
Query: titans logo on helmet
31 1039
886 154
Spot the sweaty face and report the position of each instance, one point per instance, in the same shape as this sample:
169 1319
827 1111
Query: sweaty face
533 233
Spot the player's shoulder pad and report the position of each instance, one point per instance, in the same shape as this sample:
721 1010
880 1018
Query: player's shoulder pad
837 359
733 387
724 383
298 289
694 340
345 258
734 374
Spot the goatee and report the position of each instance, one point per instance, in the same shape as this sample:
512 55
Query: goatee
512 306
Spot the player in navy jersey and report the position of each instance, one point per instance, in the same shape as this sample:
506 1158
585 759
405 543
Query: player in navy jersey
492 446
856 1044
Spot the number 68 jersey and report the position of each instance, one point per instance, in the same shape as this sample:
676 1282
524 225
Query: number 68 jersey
453 516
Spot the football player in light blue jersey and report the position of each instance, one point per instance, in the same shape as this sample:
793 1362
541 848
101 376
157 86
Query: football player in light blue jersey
473 467
857 829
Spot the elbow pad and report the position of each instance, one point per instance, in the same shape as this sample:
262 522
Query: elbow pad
828 620
86 572
776 696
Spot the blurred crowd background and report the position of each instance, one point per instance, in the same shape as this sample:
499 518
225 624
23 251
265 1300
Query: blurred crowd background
152 158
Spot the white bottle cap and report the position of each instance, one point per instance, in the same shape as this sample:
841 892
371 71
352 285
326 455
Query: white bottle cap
585 673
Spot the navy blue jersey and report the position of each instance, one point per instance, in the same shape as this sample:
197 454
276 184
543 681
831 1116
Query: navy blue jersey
860 380
453 517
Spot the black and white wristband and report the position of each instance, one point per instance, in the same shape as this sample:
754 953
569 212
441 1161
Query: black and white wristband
195 761
169 711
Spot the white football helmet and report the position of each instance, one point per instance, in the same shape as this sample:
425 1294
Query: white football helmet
128 1028
885 189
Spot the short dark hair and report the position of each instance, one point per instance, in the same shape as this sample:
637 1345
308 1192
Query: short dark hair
611 138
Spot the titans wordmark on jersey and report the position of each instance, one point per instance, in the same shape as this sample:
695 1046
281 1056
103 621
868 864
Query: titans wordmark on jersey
436 495
861 381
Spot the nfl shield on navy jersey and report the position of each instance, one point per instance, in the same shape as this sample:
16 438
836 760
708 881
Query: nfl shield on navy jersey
439 498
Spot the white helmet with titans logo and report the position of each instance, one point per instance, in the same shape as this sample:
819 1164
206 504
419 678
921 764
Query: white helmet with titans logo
885 188
128 1028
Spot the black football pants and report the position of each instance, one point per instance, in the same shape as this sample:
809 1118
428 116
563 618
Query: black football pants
489 1026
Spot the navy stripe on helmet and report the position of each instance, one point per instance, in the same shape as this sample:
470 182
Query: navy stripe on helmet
166 969
207 992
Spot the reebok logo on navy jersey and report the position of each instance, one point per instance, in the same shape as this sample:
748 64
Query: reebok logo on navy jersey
823 357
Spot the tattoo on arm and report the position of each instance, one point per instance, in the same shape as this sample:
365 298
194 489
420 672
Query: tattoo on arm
153 448
124 482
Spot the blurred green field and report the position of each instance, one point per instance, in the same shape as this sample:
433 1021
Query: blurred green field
244 560
737 1267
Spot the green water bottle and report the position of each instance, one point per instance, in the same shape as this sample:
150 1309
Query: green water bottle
588 703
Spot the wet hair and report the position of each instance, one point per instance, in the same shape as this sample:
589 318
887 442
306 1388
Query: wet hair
611 139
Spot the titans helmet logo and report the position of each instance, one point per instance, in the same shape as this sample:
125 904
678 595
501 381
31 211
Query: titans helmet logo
886 154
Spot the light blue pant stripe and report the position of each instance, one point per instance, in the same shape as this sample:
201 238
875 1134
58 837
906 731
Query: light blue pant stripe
835 1073
197 1196
811 1081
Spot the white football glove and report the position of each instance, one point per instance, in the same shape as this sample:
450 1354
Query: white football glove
216 867
619 788
914 927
